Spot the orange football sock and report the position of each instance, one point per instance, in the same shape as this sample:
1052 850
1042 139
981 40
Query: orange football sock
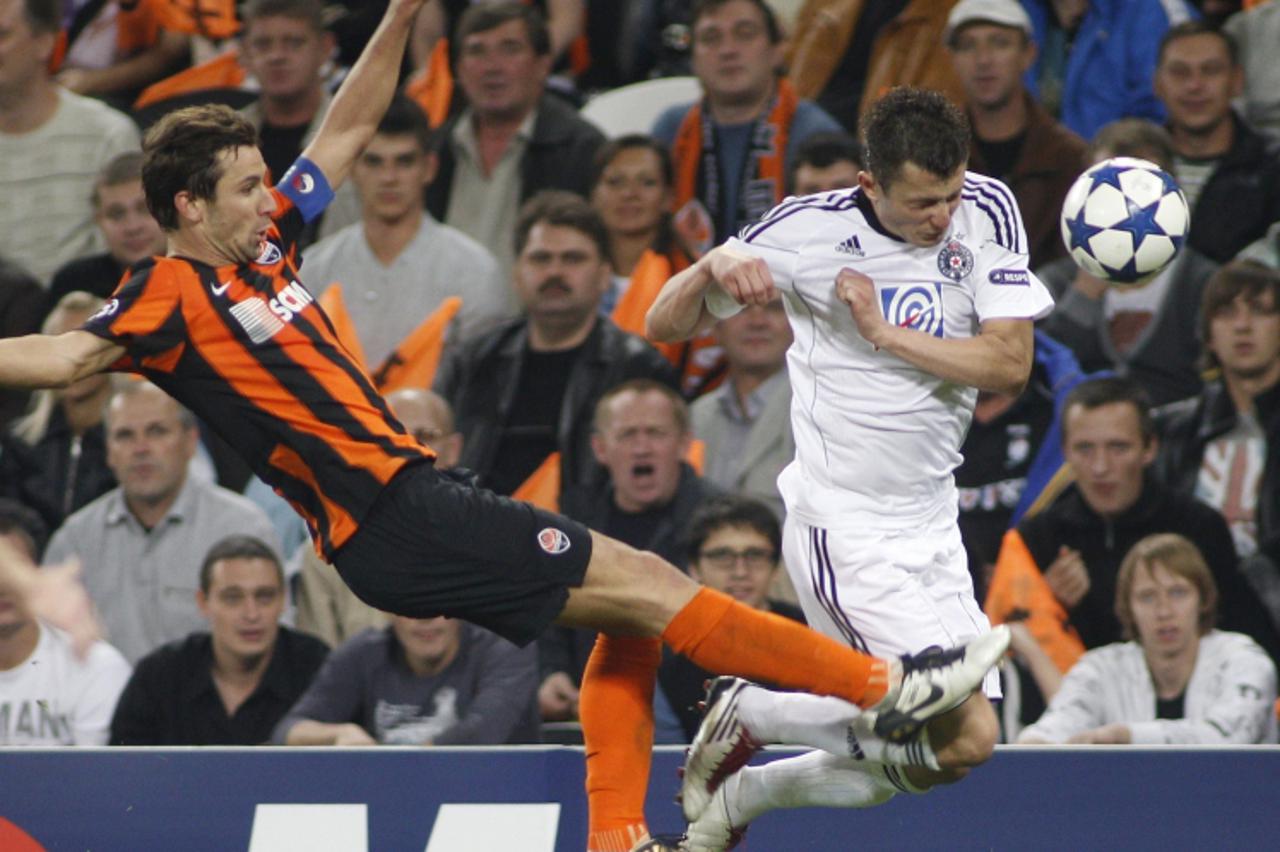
616 709
724 636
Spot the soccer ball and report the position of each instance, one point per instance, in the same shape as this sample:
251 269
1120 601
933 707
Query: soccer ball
1124 220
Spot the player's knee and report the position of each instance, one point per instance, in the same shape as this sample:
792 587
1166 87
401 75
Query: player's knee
975 740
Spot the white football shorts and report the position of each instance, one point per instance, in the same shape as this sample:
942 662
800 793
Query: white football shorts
886 592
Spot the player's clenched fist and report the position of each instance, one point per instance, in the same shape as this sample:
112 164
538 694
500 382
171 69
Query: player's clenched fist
747 279
859 293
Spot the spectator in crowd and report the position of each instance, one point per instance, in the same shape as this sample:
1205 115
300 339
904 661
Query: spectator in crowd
1057 569
126 225
733 545
229 684
420 681
22 306
513 139
825 162
847 53
1014 138
1177 681
1146 332
1229 171
732 149
1096 58
115 49
1256 32
527 389
326 607
54 459
53 143
1004 443
285 47
745 423
398 264
50 695
632 191
138 542
641 438
1224 445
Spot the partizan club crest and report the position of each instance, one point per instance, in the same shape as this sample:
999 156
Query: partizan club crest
955 261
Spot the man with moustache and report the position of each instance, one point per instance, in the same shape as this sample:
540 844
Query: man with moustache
527 389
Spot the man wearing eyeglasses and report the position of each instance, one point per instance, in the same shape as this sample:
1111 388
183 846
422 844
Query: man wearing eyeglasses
733 545
641 437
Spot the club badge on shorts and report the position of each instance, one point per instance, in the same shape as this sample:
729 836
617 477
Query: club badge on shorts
553 541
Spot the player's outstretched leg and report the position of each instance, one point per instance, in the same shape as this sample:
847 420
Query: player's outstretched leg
741 718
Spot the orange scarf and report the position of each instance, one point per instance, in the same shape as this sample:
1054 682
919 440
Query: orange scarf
763 180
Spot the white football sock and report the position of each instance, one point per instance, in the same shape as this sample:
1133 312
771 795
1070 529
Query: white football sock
830 724
816 779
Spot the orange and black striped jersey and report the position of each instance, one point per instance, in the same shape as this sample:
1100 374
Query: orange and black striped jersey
249 351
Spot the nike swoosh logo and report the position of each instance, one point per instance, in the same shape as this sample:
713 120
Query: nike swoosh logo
218 291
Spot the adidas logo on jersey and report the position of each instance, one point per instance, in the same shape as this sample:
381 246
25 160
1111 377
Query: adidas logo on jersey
852 245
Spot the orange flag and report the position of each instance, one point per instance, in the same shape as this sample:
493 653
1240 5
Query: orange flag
336 308
542 488
433 88
414 363
222 72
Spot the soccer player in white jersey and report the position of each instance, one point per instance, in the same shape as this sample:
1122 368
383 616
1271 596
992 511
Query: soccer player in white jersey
907 294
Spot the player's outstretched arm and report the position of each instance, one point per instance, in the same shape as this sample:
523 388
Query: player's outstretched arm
998 359
680 311
52 361
364 95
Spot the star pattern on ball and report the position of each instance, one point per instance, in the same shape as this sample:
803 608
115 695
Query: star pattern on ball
1081 231
1142 222
1109 174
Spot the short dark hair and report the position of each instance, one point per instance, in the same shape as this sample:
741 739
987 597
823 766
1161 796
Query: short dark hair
1134 137
26 523
679 408
310 11
1237 278
609 151
43 16
914 126
405 118
1195 27
237 547
482 17
824 149
706 7
180 154
562 209
1108 390
730 510
120 169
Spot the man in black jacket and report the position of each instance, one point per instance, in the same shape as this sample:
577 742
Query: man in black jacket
528 388
1229 171
1219 445
513 139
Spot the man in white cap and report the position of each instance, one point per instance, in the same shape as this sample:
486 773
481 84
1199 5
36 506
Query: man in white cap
1014 137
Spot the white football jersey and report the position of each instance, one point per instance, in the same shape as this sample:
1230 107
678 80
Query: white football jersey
876 437
55 698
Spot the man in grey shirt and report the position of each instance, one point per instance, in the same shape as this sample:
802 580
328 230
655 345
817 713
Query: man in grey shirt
141 543
433 681
398 264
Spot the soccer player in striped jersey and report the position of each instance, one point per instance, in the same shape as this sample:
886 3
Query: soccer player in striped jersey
907 294
224 325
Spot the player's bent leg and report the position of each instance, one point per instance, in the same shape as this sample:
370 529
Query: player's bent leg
962 739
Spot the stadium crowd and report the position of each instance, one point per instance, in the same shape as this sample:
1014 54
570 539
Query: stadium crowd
545 169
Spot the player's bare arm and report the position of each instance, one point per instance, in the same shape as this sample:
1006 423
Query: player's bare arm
54 361
998 359
364 95
680 311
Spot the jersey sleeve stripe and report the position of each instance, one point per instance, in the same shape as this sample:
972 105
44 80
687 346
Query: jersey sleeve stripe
792 206
999 205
